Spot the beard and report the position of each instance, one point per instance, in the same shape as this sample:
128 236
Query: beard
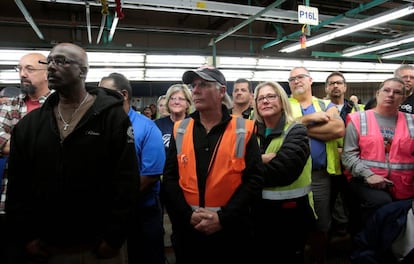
28 88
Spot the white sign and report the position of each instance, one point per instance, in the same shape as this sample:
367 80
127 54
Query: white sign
308 15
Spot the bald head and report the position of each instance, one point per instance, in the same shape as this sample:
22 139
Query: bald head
67 68
33 75
73 52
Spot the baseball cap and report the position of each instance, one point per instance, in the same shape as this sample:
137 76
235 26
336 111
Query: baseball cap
207 73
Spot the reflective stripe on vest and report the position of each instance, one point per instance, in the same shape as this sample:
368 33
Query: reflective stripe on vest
180 134
240 140
288 194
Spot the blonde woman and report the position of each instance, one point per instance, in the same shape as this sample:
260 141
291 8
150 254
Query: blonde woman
162 107
283 216
178 104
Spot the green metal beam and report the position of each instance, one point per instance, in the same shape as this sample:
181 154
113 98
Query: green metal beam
352 12
248 21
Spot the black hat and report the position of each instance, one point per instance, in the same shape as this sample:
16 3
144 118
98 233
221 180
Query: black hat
208 73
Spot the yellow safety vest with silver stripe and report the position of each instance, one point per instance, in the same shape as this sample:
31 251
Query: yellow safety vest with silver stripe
333 163
298 188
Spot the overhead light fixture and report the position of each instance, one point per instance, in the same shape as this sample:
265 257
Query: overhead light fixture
365 23
237 62
399 53
189 61
123 59
379 46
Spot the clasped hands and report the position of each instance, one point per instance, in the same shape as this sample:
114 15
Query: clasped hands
205 221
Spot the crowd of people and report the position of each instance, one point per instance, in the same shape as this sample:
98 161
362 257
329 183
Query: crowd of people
255 178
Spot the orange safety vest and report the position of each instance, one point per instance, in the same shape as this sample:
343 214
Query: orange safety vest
225 174
398 164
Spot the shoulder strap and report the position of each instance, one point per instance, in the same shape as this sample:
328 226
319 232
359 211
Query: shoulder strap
180 134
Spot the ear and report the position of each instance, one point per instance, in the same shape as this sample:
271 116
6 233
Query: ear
124 94
83 72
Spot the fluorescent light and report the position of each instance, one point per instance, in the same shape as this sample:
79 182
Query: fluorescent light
272 76
188 61
399 53
165 74
237 62
379 46
132 74
366 23
116 59
232 75
275 64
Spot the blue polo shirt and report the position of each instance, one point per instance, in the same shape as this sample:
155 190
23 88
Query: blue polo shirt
150 151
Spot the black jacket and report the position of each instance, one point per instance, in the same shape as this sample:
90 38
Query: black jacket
292 156
79 190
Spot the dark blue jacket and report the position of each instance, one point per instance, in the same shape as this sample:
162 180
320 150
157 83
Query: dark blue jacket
373 244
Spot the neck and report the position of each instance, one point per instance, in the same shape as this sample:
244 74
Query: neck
210 118
39 93
238 109
271 121
177 116
386 111
74 99
337 100
304 100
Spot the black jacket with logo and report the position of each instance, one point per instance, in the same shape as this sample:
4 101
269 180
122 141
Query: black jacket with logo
75 191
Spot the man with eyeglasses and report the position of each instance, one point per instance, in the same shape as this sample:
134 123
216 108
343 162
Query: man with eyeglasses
212 175
336 87
378 151
73 170
406 73
34 91
324 126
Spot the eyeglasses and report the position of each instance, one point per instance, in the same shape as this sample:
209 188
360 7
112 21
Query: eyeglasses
299 77
407 77
28 69
59 61
201 85
269 98
395 92
178 99
336 82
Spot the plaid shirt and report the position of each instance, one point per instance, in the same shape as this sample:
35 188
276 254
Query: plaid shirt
10 114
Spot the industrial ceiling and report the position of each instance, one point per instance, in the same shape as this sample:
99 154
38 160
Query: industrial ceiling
231 28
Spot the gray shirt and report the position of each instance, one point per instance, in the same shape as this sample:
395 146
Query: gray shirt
351 151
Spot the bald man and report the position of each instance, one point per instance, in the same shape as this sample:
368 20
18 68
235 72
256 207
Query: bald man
34 87
76 192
